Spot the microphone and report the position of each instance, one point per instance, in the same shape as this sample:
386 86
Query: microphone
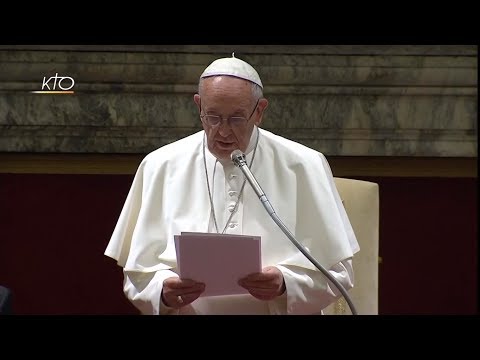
239 160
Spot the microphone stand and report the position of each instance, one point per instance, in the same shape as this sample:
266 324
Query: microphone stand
238 159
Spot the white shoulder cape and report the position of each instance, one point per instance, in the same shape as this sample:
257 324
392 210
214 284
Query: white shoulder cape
169 195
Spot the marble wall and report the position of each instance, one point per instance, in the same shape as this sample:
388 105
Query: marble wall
373 100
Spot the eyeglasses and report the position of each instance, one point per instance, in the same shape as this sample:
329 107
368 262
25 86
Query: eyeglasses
233 121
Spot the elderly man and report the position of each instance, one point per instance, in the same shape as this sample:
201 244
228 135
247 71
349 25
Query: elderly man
191 185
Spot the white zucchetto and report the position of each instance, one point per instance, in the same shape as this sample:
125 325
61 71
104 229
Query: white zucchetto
232 66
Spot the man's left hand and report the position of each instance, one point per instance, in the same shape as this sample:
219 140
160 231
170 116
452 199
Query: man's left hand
266 285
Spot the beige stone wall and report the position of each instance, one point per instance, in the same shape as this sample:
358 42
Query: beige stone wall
343 100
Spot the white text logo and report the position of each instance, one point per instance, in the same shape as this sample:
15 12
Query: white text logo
57 85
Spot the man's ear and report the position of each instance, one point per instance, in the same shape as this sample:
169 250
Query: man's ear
262 105
196 98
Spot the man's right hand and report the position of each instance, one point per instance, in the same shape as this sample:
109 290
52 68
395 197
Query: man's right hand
178 292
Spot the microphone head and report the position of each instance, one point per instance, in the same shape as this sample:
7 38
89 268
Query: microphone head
237 157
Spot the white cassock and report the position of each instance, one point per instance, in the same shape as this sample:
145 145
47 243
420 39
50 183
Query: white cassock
169 195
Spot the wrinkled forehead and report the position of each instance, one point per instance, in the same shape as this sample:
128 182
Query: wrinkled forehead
227 89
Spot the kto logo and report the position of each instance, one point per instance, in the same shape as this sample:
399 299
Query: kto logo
57 85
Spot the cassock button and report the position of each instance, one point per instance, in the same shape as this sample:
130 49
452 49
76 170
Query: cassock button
231 208
232 176
232 193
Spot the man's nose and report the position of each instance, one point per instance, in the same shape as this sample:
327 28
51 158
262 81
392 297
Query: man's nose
224 127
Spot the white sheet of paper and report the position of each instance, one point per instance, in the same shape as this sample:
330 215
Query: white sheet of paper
218 260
